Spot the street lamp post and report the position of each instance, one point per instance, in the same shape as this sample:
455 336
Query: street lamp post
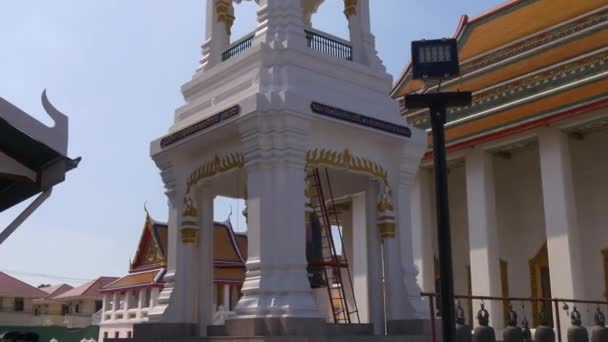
438 59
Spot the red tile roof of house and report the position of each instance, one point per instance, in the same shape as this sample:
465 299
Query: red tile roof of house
14 287
56 290
89 289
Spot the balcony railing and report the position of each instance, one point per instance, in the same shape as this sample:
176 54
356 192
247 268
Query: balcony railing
238 47
328 45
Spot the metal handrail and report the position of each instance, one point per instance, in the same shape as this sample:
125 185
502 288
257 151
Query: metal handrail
432 297
238 47
332 46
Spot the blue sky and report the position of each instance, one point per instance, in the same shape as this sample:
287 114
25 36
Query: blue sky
115 68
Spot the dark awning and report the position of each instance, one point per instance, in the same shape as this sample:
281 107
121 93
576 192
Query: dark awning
49 165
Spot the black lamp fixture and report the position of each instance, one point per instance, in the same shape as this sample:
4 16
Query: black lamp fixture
435 59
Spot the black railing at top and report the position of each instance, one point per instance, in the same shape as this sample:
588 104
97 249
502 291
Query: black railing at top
328 45
238 47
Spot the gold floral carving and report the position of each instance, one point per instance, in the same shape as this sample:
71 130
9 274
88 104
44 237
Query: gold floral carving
350 8
225 13
189 235
151 254
345 160
209 169
215 166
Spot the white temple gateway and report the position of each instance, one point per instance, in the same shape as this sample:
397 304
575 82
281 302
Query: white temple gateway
294 121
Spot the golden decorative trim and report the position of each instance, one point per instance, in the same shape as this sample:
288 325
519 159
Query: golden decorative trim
539 260
189 235
225 13
504 284
215 166
605 254
211 168
350 8
345 160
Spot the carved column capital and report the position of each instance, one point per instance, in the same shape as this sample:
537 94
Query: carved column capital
350 8
225 13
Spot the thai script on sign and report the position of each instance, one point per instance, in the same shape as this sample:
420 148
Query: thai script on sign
200 126
359 119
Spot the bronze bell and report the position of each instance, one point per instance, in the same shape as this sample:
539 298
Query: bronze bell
576 332
544 332
599 332
525 330
483 333
512 332
463 331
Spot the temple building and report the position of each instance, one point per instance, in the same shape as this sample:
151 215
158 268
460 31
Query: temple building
527 160
127 300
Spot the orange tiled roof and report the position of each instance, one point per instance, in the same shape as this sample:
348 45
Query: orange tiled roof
89 289
135 279
13 287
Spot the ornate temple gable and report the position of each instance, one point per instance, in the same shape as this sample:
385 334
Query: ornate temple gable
226 248
511 22
521 55
524 68
150 251
508 93
565 39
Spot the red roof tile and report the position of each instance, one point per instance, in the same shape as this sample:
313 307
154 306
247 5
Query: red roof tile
14 287
89 289
56 289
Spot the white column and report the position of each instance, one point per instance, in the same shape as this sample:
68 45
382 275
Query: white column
415 308
140 301
280 24
115 305
483 232
374 255
226 297
359 261
422 226
276 283
167 307
154 294
204 260
396 305
361 37
217 36
563 245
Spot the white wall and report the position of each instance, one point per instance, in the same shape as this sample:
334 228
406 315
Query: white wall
590 172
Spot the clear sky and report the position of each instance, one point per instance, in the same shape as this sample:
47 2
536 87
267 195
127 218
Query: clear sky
115 68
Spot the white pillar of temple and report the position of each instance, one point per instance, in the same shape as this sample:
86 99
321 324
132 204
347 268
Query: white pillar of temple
563 245
360 259
483 232
169 302
115 305
204 259
140 301
280 24
416 310
154 294
218 21
422 226
396 304
276 283
374 260
361 37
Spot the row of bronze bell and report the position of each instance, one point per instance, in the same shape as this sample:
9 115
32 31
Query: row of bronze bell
514 333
